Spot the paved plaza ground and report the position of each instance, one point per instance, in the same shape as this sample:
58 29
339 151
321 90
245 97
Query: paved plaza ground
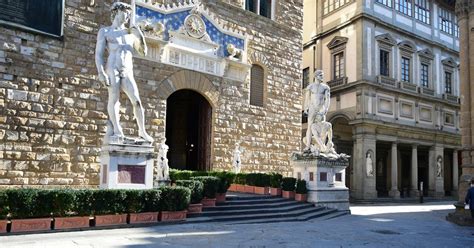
385 225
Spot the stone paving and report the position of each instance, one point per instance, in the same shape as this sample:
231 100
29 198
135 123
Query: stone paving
383 225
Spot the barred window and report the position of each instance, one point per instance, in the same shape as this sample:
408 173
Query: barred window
448 83
261 7
422 11
385 2
305 77
384 63
403 6
256 85
338 66
424 77
331 5
405 69
446 21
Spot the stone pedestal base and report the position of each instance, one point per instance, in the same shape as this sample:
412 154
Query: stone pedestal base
394 193
461 216
414 193
325 180
439 188
125 166
159 183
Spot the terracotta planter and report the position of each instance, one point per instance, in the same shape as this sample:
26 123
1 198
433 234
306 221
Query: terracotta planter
249 189
166 216
110 220
147 217
301 197
27 225
240 188
233 187
3 226
207 202
288 194
275 191
71 222
220 197
261 190
195 208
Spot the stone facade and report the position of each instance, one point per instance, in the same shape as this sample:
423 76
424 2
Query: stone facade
405 121
55 108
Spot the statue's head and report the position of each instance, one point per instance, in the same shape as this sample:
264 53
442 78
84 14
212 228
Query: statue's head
120 10
318 76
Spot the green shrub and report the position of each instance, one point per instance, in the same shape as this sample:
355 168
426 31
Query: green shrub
22 202
211 185
251 179
3 204
62 202
196 187
174 198
262 180
109 201
152 200
240 178
275 180
176 175
226 179
134 201
301 187
288 183
83 202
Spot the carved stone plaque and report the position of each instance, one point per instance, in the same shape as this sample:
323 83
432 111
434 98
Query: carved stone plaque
134 174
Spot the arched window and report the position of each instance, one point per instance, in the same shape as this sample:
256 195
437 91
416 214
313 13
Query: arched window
256 85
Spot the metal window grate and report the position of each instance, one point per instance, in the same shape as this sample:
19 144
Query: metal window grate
256 85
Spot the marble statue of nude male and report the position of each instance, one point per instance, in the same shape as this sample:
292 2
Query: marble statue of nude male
117 72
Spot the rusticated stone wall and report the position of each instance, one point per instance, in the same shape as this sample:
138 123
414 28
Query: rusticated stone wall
53 110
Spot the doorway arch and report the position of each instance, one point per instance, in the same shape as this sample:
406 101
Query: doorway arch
188 130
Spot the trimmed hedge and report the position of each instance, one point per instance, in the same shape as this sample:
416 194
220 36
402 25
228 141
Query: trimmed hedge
29 203
196 187
4 208
174 198
275 180
240 178
301 187
226 179
211 184
288 183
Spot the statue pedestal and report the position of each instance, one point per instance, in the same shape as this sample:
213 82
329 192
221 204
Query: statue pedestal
439 187
325 180
126 166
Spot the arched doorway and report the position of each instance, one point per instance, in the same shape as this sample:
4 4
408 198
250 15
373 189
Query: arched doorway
188 130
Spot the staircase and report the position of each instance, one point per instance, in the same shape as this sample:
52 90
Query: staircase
249 209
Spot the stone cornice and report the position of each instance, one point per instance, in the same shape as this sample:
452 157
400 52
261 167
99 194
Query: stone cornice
463 8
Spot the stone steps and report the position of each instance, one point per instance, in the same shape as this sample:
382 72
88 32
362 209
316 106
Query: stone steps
249 209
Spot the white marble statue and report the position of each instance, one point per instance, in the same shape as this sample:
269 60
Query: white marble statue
117 73
162 162
318 138
369 165
439 167
236 160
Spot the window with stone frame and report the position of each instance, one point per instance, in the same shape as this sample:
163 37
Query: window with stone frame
384 63
257 77
405 69
404 7
337 47
446 21
338 66
261 7
448 82
305 77
332 5
424 75
387 3
422 11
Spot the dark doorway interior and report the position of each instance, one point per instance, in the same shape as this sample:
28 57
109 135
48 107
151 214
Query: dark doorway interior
423 168
448 171
188 130
381 169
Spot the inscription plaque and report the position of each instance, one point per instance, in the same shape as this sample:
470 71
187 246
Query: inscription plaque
134 174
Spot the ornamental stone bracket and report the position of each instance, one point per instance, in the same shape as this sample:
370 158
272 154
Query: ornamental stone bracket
191 37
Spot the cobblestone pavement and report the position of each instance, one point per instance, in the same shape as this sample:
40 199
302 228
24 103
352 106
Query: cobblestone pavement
383 225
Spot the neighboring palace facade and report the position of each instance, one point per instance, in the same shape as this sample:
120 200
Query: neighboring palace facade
393 69
217 73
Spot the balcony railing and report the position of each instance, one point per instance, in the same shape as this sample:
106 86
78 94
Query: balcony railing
387 81
337 82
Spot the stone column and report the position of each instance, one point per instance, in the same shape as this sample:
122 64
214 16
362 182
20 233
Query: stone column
364 167
414 171
455 172
394 192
